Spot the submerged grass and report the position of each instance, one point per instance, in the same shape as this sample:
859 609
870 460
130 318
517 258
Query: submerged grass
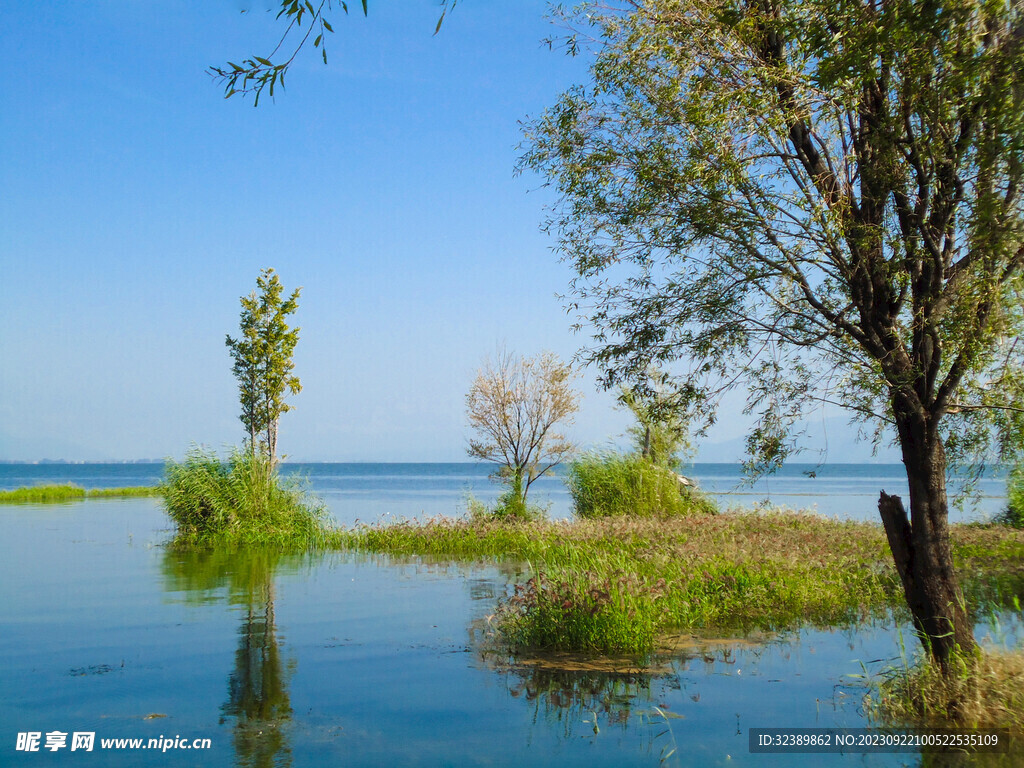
68 492
615 585
239 501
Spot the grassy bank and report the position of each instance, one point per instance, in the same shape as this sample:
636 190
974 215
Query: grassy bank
616 585
59 493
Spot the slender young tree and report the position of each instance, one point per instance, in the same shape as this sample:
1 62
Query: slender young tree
820 201
513 407
263 361
662 430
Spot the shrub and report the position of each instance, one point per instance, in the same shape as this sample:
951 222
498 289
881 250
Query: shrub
1014 513
612 484
243 499
509 507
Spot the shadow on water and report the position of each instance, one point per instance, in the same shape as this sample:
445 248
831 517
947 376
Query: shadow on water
258 701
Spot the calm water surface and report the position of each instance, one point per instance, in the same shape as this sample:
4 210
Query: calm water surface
368 492
347 660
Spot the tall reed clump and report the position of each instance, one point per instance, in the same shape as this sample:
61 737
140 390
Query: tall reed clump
612 484
242 499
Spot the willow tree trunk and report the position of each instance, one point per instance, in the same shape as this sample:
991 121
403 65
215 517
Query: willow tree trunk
921 549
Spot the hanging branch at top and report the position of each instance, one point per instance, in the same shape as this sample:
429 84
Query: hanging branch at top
302 19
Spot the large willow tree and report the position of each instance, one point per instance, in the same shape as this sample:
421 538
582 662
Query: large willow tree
819 200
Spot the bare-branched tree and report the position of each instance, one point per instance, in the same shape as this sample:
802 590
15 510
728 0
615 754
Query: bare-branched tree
513 408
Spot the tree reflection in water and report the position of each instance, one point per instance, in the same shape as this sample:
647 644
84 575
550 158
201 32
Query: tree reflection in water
258 700
584 695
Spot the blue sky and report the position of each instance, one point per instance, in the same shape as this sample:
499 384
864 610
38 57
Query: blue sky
138 205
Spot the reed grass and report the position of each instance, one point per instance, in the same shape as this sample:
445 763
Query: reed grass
68 492
983 693
611 484
241 500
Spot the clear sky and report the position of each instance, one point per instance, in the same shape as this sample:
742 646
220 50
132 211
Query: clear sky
137 205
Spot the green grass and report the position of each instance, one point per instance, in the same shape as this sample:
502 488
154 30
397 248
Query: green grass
613 484
619 584
239 501
60 493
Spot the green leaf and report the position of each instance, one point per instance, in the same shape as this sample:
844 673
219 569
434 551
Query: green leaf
327 25
364 8
264 62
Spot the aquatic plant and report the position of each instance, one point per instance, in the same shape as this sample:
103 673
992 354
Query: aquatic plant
609 484
241 499
68 492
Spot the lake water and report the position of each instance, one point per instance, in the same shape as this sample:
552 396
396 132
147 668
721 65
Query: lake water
349 660
369 492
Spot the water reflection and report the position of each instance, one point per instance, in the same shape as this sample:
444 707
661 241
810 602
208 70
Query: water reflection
586 696
258 701
690 705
